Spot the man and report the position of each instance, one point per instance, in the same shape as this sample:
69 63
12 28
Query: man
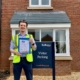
22 60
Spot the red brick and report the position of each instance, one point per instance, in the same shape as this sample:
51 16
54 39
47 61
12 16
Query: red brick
71 7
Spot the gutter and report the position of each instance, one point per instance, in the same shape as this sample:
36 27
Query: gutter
0 27
0 21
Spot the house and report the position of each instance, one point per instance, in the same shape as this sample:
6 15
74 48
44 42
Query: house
56 19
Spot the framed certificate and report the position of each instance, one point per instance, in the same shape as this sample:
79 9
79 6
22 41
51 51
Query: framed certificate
24 45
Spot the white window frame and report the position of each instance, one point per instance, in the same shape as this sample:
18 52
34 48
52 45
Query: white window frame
40 5
49 26
67 44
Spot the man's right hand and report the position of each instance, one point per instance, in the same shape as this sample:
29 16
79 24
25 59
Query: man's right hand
15 52
18 54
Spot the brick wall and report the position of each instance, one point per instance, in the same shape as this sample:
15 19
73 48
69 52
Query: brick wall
8 8
72 9
38 71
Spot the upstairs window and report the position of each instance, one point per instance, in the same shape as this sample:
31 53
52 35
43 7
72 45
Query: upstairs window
40 3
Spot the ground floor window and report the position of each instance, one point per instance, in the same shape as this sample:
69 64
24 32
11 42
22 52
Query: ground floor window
59 36
60 39
41 35
46 35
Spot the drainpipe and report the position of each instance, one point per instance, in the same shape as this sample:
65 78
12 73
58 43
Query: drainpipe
0 21
0 27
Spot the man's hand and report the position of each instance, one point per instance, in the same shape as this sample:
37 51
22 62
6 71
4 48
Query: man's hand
31 40
18 54
15 52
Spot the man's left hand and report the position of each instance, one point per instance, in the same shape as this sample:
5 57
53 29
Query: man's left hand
31 40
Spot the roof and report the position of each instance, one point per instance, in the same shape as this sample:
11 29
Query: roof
40 17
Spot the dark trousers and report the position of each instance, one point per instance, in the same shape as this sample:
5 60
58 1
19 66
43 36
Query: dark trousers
17 68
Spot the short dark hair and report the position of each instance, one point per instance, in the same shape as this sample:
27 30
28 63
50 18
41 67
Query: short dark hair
23 21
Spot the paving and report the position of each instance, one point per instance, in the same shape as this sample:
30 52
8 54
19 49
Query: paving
73 76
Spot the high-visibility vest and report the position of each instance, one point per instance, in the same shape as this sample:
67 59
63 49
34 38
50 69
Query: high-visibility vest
16 58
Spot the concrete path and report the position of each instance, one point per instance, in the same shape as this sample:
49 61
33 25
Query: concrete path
73 76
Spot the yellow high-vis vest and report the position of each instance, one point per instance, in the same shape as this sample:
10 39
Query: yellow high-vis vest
16 58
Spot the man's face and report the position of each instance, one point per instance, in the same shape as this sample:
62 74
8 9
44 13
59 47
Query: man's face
22 27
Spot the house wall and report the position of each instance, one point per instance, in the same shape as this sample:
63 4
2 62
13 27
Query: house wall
72 9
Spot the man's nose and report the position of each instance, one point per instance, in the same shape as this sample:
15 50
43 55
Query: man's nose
23 26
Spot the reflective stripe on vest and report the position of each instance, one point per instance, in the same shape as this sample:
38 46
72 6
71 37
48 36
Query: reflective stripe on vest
16 58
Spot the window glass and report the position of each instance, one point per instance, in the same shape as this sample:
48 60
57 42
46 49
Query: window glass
17 31
40 2
60 38
60 35
34 2
46 35
60 47
45 2
35 34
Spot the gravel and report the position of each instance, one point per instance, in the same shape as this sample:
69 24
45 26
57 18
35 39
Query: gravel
4 75
73 76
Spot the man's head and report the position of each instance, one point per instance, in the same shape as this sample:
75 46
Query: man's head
23 25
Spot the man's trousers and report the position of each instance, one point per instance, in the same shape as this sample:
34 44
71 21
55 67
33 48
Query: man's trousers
17 68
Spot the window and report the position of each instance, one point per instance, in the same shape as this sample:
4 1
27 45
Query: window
46 35
40 3
34 2
60 39
45 2
59 36
17 31
35 34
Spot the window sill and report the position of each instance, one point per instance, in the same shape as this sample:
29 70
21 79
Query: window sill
63 58
39 7
56 58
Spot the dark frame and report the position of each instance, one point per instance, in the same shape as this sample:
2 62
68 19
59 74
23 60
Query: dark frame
0 21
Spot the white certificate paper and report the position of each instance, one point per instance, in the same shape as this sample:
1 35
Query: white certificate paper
24 45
